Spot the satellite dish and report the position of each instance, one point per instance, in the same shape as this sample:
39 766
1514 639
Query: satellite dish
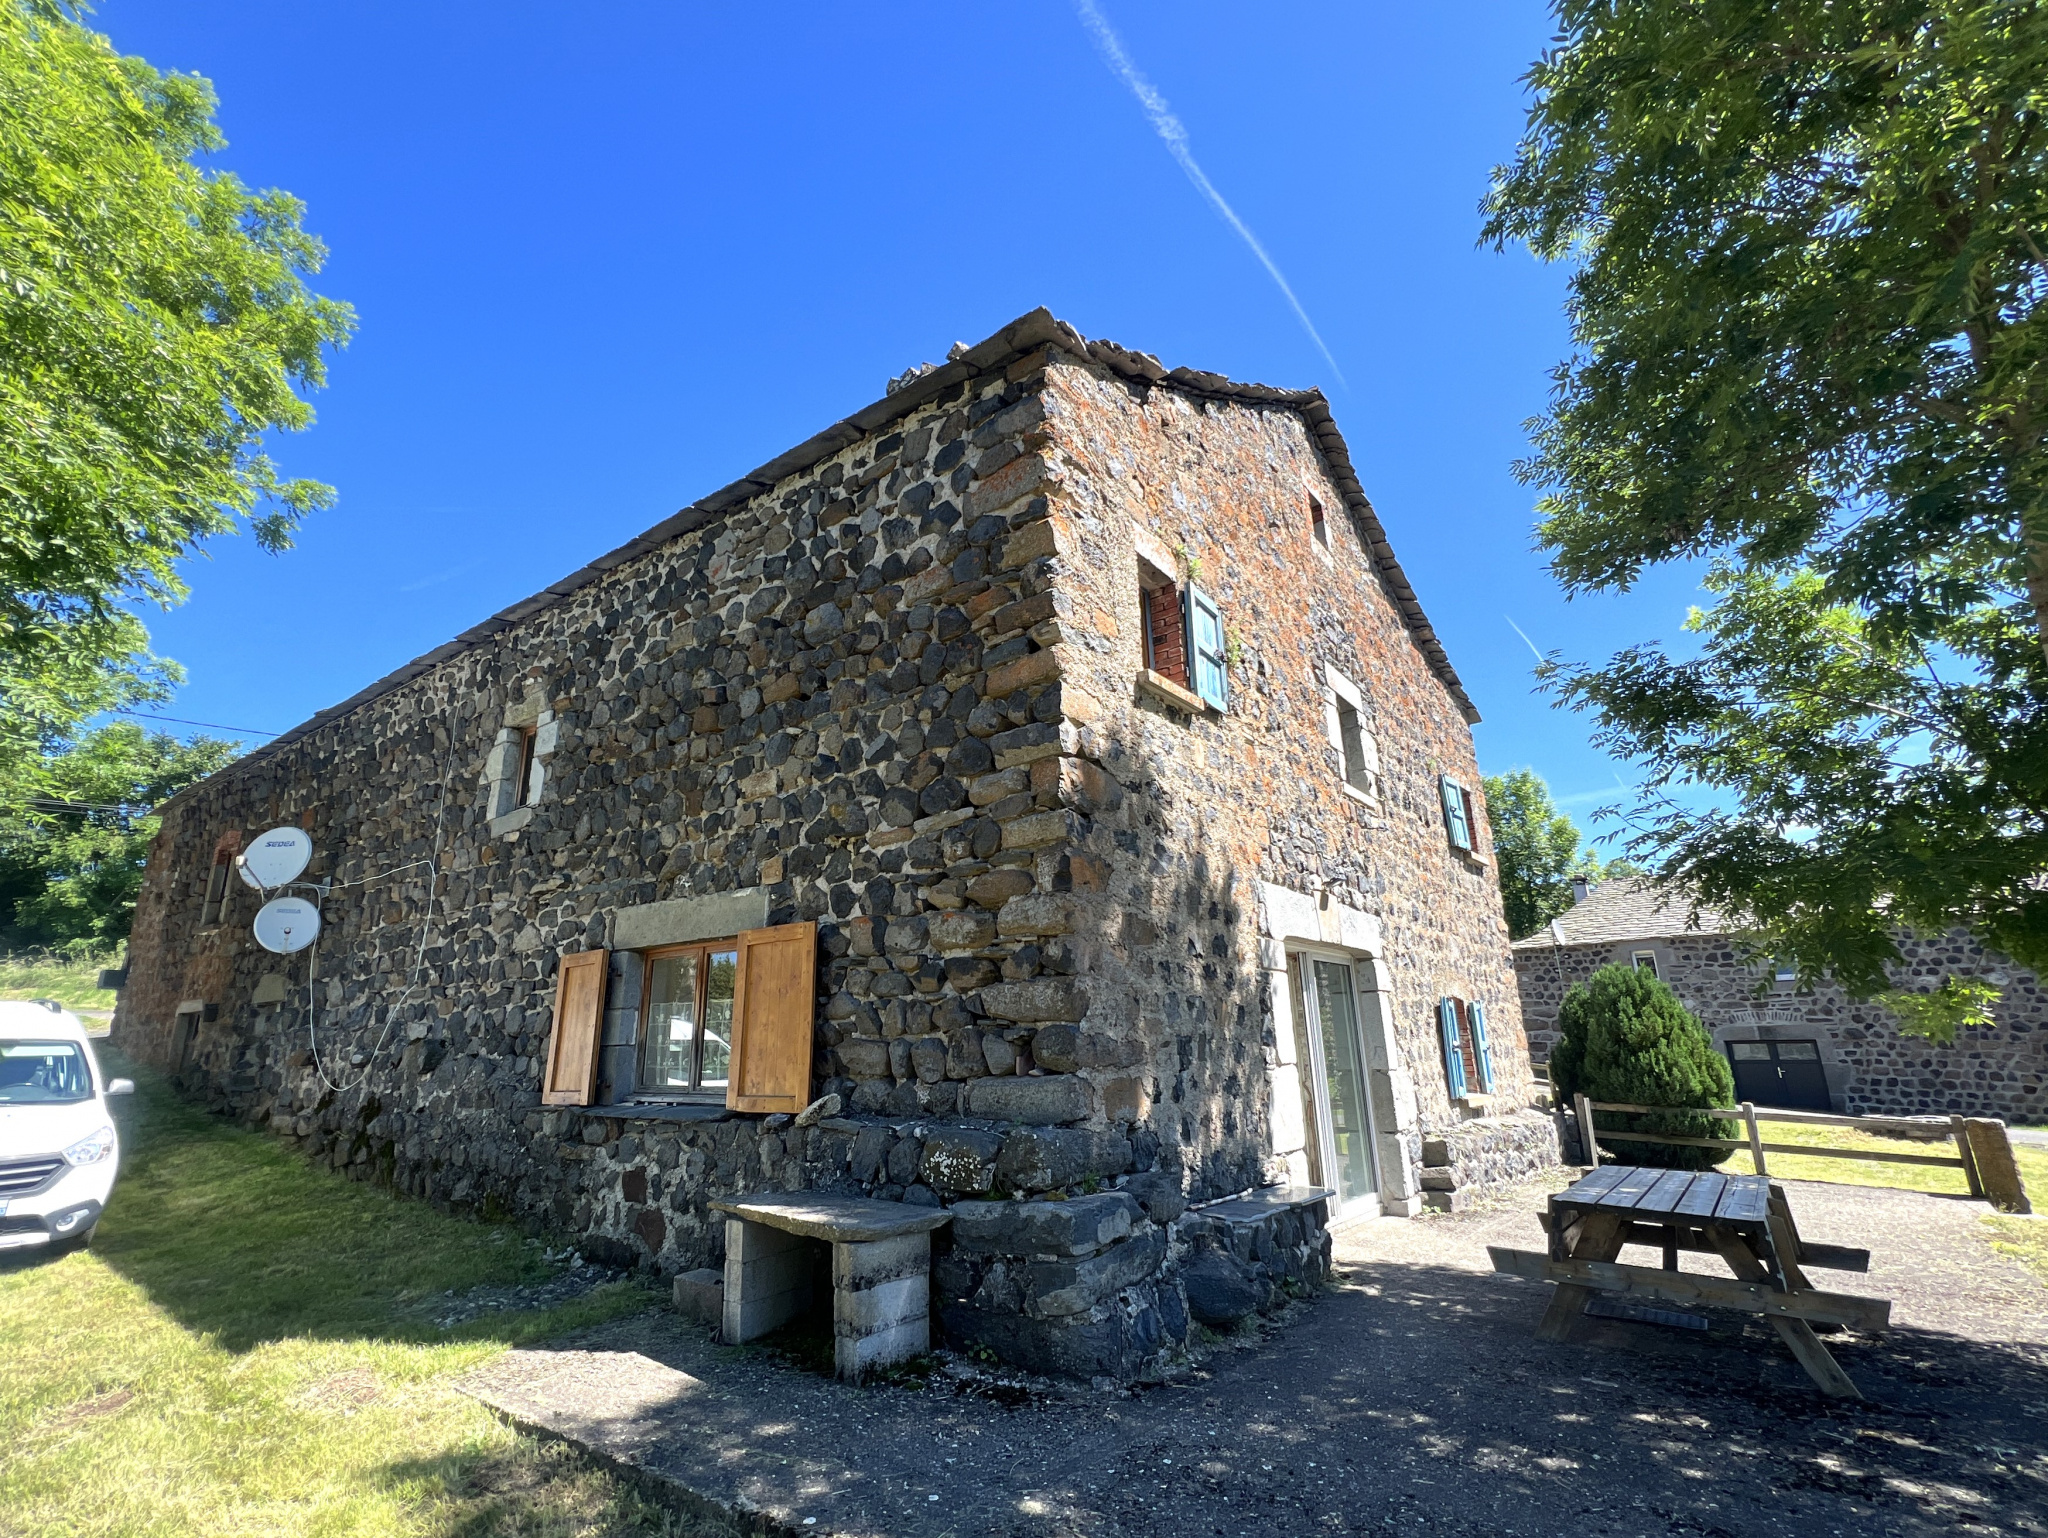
287 924
276 857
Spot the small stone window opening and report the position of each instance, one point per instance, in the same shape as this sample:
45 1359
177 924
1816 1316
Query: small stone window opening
216 901
1318 525
1784 970
526 784
1645 961
686 1020
1361 756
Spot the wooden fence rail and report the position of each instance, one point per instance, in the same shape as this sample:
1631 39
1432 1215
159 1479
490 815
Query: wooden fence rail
1983 1151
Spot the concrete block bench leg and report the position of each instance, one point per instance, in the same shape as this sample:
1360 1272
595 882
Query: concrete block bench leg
769 1279
881 1303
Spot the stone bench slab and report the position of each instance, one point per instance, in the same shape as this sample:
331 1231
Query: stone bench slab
1261 1205
835 1219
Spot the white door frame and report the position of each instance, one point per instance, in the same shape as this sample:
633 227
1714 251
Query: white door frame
1316 1090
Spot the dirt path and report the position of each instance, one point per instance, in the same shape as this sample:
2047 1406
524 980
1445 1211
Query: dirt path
1411 1398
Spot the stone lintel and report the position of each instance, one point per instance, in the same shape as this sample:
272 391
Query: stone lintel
682 919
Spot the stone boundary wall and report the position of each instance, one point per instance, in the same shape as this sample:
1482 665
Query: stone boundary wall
1871 1068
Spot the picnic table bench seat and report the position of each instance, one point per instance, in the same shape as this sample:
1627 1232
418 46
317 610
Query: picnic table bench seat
880 1268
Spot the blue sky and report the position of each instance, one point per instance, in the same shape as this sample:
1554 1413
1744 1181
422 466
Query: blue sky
607 259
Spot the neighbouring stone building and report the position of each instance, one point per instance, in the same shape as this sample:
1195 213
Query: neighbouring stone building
1807 1048
1040 793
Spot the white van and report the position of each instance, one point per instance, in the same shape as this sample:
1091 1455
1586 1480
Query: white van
58 1147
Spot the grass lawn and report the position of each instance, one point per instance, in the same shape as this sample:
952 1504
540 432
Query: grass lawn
70 983
249 1347
2025 1238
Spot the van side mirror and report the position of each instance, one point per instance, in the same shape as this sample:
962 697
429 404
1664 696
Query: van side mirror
120 1087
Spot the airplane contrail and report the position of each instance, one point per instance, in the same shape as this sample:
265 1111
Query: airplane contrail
1175 135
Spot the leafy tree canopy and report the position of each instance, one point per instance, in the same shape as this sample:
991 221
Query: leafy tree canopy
1808 239
155 324
1539 851
76 827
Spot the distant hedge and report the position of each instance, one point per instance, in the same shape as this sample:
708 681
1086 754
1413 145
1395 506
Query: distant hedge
1627 1038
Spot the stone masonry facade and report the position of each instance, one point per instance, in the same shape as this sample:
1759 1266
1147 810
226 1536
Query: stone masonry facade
1872 1069
895 683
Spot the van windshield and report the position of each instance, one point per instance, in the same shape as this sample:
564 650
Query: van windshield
43 1072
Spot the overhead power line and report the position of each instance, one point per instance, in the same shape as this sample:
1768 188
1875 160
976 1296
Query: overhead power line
141 715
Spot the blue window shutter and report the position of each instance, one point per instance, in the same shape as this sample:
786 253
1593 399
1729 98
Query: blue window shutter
1454 1060
1207 670
1454 813
1475 1015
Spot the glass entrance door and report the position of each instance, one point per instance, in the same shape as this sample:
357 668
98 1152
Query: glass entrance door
1334 1084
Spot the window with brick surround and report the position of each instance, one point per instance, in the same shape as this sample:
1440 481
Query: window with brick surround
1166 635
1468 1065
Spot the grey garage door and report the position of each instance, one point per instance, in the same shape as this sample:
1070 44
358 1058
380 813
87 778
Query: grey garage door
1786 1074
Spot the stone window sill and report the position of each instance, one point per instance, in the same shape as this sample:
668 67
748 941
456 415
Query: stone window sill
661 1110
1172 693
1358 795
1475 1102
511 822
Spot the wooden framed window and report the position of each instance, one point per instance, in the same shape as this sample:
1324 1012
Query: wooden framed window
1644 961
731 1020
686 1019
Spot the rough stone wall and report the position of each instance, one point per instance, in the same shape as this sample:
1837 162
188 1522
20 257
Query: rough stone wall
1871 1068
1211 803
892 692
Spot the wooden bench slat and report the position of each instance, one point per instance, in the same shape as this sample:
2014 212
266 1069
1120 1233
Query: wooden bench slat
1703 1195
1746 1200
1685 1287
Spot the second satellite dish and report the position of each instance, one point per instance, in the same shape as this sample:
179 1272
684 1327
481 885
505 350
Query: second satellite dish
276 857
287 924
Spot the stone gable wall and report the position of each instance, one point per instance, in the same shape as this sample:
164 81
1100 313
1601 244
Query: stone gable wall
1872 1070
1209 804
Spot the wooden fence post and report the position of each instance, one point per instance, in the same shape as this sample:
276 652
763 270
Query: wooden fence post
1961 1134
1588 1148
1991 1150
1756 1141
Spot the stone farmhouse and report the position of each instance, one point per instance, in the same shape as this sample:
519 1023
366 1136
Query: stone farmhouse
1802 1048
1041 784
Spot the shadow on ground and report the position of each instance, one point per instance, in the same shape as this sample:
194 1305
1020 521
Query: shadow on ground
239 1238
1408 1398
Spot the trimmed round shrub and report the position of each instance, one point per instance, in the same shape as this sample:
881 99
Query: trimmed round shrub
1627 1038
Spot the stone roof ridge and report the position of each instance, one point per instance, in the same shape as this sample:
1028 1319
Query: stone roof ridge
1628 908
1035 329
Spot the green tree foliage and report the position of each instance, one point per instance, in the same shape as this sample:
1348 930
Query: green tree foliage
1808 239
76 828
1539 850
155 324
1627 1039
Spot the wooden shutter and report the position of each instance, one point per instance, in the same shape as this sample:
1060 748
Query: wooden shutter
1454 1059
1475 1017
579 1020
1208 669
1454 813
775 1000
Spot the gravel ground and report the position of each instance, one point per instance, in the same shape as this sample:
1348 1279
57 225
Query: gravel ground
1409 1398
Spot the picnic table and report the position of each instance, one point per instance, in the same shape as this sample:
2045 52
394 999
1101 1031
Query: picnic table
1744 1219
